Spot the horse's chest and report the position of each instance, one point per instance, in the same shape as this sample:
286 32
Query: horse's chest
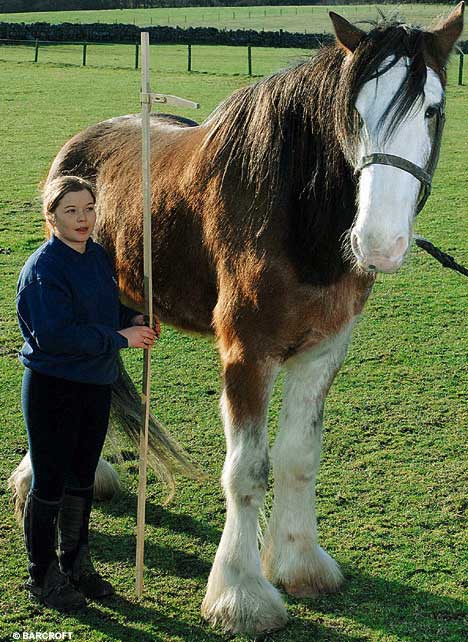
326 312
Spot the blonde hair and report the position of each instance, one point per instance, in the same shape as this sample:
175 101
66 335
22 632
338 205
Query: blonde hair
55 190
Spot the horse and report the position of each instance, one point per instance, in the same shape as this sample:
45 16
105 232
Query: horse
270 222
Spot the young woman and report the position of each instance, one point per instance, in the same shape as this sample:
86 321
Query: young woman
73 327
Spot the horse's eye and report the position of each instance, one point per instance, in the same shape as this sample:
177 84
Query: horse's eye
430 112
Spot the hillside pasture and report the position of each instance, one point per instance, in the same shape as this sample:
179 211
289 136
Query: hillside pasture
289 18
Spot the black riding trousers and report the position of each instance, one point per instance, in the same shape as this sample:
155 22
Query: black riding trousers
66 422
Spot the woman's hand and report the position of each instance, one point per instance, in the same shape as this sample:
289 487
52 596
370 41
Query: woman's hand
139 336
139 319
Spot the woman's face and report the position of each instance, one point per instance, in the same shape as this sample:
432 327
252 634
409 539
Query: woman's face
74 219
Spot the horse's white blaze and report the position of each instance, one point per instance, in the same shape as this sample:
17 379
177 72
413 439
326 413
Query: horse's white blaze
387 195
291 554
238 597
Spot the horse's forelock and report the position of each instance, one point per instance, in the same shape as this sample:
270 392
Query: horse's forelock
392 41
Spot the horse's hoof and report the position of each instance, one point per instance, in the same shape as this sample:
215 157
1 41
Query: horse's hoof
253 607
323 575
309 575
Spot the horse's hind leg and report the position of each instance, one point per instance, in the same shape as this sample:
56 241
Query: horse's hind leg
291 555
238 597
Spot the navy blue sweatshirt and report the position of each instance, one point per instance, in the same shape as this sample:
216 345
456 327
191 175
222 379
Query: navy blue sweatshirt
69 312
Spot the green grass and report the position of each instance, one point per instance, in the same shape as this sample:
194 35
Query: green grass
392 484
164 58
290 18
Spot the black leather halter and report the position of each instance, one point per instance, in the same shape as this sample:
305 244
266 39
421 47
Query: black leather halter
425 175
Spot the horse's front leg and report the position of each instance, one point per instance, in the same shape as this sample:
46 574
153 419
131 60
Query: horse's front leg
238 597
291 555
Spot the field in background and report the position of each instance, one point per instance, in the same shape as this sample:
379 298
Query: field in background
391 496
205 59
313 19
211 59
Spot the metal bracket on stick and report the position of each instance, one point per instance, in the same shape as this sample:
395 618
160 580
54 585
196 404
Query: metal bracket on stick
159 99
147 99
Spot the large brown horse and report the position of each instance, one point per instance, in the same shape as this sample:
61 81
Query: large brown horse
270 220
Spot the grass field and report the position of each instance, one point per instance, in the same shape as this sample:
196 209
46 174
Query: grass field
217 60
290 18
392 485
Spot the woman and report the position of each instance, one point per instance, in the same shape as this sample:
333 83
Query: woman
71 320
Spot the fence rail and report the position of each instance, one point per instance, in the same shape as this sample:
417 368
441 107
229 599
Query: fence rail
134 56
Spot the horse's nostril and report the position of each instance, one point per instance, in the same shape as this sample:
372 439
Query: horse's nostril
372 268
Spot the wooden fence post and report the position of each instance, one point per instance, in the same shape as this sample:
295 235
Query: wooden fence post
85 45
137 49
249 59
189 57
460 68
36 52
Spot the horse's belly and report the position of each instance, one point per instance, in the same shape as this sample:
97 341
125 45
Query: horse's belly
186 303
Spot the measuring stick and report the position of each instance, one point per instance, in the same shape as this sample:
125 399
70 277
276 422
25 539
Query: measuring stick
146 100
148 291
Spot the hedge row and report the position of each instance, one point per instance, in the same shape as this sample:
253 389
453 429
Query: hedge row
120 33
17 6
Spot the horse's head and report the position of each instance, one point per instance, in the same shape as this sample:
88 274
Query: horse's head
395 93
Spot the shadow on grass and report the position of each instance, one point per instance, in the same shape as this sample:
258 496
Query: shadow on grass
147 624
389 608
125 504
141 623
121 547
379 605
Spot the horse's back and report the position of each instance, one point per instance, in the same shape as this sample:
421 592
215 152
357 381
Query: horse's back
83 154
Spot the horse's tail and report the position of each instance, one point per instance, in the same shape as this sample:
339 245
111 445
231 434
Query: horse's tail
106 484
19 483
165 455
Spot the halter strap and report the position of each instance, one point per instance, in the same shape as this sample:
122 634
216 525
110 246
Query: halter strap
424 176
395 161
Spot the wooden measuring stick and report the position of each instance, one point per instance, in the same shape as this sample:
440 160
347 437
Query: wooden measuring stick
146 100
148 291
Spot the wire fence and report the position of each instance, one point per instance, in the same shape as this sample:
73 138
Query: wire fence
175 57
227 60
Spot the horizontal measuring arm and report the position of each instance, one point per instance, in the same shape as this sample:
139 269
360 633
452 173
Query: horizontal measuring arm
151 99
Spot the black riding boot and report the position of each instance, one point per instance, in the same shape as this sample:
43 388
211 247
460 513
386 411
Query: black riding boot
47 584
73 531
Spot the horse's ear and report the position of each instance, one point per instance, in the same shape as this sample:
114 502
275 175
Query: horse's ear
347 35
446 35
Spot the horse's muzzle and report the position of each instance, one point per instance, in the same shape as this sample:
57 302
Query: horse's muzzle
388 261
